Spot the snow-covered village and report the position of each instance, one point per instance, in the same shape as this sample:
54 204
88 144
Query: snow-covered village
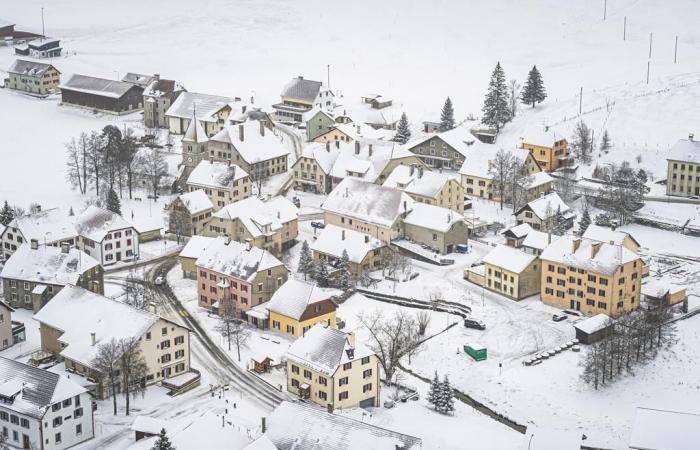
308 225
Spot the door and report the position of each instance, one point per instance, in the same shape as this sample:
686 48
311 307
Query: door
367 403
25 441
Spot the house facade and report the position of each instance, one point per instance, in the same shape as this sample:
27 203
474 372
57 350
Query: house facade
312 171
318 122
512 273
6 335
222 182
683 168
158 95
188 213
546 213
425 186
106 236
365 253
440 229
298 97
49 227
549 148
110 96
32 77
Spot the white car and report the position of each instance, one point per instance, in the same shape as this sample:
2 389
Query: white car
159 281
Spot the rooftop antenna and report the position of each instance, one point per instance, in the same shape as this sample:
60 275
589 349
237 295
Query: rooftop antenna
43 33
328 75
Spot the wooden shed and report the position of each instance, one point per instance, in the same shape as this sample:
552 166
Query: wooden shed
594 329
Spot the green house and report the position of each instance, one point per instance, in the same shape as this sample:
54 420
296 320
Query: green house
476 351
318 123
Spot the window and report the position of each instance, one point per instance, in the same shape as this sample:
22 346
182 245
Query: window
148 336
322 381
347 366
602 305
290 329
78 413
322 395
24 423
165 358
57 421
164 331
367 373
307 374
179 354
365 360
343 395
367 387
79 429
295 383
58 438
179 340
67 402
295 369
590 302
343 381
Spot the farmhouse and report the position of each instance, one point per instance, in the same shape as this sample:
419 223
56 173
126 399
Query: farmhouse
439 228
546 213
312 171
116 97
189 212
211 110
33 77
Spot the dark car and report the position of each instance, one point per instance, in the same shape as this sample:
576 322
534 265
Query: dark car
559 317
318 225
474 323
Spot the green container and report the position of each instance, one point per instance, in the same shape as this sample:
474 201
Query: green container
476 351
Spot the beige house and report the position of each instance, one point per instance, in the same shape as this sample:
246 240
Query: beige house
222 182
658 292
312 171
425 186
368 208
327 367
298 97
271 225
511 272
365 253
189 212
683 168
611 236
164 345
33 77
439 228
549 148
194 248
349 132
6 335
211 110
591 276
546 213
158 95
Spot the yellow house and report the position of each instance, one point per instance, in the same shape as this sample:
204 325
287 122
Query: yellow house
659 292
591 276
511 272
297 306
550 149
329 368
425 186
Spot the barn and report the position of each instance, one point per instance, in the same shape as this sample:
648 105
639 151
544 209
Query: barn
100 94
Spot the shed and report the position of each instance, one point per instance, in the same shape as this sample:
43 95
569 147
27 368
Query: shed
658 291
593 329
148 228
145 427
662 429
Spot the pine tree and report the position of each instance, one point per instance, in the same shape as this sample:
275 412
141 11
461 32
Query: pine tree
113 203
447 116
447 397
6 214
403 130
434 392
306 262
582 145
584 222
605 143
534 91
496 110
71 213
345 279
163 443
321 273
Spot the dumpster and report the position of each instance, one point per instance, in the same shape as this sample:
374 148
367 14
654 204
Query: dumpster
476 351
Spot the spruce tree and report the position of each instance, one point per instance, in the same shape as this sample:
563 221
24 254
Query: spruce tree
71 213
584 222
434 392
534 91
306 262
113 203
605 143
582 144
6 214
447 397
163 443
321 273
403 130
345 279
496 110
447 116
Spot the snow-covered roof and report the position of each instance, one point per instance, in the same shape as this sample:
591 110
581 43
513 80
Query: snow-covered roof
196 201
258 143
604 234
366 160
216 174
478 157
96 86
195 132
149 425
509 258
107 318
32 389
362 112
146 224
435 218
333 240
47 264
358 131
324 349
537 239
421 182
294 426
593 324
518 231
606 260
31 68
95 223
301 89
324 155
542 137
542 438
662 429
52 225
536 179
261 443
294 296
367 202
236 259
161 87
685 150
138 79
459 138
546 206
206 106
196 246
258 217
659 288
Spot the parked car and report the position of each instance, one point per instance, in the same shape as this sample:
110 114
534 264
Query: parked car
315 224
159 281
572 313
559 317
470 322
462 248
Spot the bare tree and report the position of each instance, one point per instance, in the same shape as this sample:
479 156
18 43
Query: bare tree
136 294
423 320
517 186
564 185
258 175
153 166
513 96
133 369
77 162
179 221
94 159
501 172
232 328
107 363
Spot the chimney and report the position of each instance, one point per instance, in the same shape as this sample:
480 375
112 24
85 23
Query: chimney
351 339
262 128
342 235
690 137
328 147
263 425
93 339
449 217
240 132
279 215
369 147
156 77
546 128
65 247
575 244
366 239
413 169
300 77
248 244
34 244
594 249
252 100
244 108
357 147
420 171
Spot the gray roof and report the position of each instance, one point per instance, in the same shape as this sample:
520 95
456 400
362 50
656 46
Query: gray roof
302 89
47 265
138 79
34 389
32 68
97 86
205 104
293 426
685 150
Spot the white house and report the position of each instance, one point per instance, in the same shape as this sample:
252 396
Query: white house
106 236
41 409
50 227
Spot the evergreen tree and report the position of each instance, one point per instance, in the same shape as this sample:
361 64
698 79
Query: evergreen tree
306 262
403 130
163 443
6 214
71 213
605 143
447 116
434 392
582 144
113 203
321 273
496 109
345 279
447 397
584 222
534 91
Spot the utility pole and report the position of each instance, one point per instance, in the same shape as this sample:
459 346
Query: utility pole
624 29
605 9
580 101
651 40
43 32
675 51
328 75
648 63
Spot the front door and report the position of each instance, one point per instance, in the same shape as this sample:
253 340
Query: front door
25 441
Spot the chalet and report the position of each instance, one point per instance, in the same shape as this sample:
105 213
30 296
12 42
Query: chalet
365 253
438 228
32 77
158 95
49 227
34 274
328 367
300 96
106 236
511 272
164 344
312 171
100 94
223 183
546 213
549 148
211 110
189 212
40 48
425 186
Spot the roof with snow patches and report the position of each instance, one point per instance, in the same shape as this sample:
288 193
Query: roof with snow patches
333 240
236 259
426 183
196 201
605 261
31 68
685 150
216 174
255 144
96 86
294 296
47 264
302 89
95 223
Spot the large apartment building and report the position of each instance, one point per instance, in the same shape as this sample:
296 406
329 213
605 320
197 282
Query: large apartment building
591 276
327 367
683 170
